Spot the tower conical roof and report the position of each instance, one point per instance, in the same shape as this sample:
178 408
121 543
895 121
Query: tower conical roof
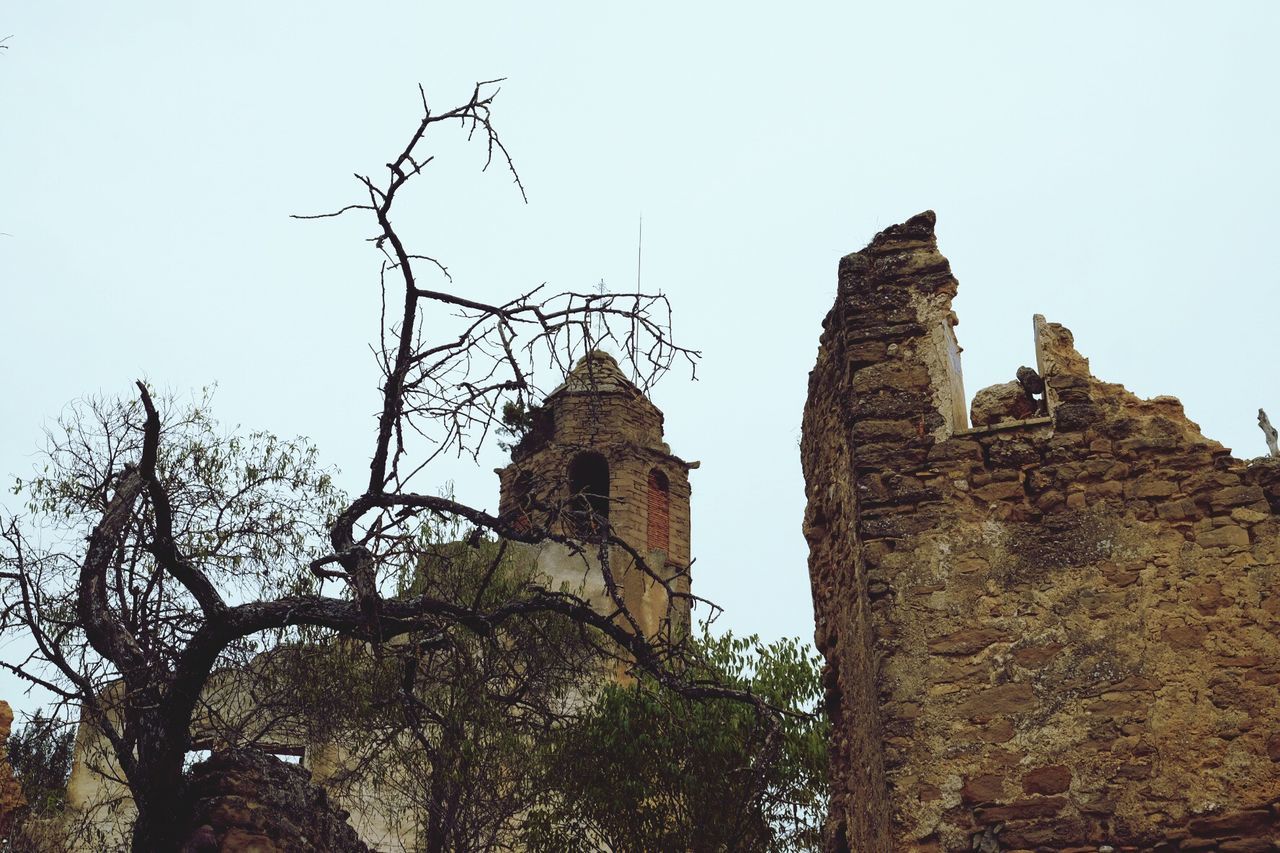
596 373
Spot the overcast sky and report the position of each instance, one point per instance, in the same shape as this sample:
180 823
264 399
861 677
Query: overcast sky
1112 166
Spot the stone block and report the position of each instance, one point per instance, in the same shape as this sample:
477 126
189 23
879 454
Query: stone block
1053 779
1227 536
1012 698
1002 491
1022 809
999 404
987 788
1251 822
968 641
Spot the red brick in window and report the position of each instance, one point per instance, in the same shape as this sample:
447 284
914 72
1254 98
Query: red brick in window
658 529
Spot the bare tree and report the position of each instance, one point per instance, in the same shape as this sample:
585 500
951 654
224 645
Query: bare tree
170 549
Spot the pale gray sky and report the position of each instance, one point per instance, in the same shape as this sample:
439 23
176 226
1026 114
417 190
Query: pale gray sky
1111 166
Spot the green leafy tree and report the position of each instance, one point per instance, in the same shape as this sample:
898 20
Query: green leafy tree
437 730
649 769
40 754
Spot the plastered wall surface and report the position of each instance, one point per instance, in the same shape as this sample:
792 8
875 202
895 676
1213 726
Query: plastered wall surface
1057 632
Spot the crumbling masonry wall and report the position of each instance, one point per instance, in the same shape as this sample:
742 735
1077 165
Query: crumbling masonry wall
1059 633
245 801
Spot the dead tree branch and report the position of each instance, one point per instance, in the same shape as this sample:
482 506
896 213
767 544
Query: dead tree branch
198 542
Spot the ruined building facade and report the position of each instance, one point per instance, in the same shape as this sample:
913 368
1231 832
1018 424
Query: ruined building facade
594 455
1058 630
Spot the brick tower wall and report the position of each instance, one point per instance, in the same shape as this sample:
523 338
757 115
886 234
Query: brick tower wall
626 429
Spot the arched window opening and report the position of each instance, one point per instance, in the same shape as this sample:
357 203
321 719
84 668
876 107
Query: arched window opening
589 494
658 535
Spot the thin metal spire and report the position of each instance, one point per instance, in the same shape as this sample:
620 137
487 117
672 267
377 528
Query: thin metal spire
599 319
635 371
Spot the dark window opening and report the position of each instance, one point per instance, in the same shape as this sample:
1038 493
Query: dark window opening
658 529
589 494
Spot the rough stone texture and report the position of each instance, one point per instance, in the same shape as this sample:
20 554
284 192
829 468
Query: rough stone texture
244 801
999 403
12 800
1066 625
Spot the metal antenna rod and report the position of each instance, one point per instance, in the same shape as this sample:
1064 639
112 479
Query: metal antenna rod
635 347
639 249
600 325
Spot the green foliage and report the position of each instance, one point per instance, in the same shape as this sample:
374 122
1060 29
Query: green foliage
518 420
646 769
444 722
249 511
242 503
40 754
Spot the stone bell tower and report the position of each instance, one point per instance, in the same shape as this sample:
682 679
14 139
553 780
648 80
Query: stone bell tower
594 460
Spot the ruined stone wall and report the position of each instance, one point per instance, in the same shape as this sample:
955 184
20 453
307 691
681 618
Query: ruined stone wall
12 799
243 801
1055 633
